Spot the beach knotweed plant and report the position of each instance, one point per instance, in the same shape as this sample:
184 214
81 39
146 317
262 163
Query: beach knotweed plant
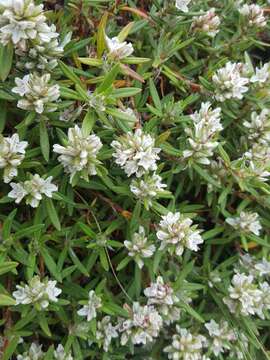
134 179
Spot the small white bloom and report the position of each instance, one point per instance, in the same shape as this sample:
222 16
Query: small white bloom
202 141
254 15
12 152
148 188
230 81
106 332
244 296
261 75
37 292
182 5
176 233
163 297
221 335
80 153
247 222
60 354
143 326
34 353
259 127
33 190
186 346
89 310
118 49
136 153
208 23
139 247
37 93
263 267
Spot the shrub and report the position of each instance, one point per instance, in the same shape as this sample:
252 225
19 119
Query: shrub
135 164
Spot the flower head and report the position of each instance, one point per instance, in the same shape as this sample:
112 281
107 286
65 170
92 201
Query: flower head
139 247
254 15
22 20
182 5
230 81
37 292
148 188
222 336
80 153
247 222
12 152
34 353
186 345
37 93
60 354
106 332
208 23
163 297
176 233
118 49
143 326
33 190
202 139
136 153
261 75
89 310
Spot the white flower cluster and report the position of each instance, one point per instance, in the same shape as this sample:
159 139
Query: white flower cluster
230 81
117 49
106 332
37 292
12 152
139 247
254 15
186 346
257 158
182 5
246 222
259 127
79 155
136 153
176 233
142 327
33 190
148 188
163 297
37 93
34 353
207 23
249 292
90 309
202 139
222 337
261 75
36 43
60 354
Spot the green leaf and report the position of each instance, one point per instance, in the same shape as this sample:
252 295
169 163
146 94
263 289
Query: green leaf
43 323
44 139
205 175
6 57
109 79
154 94
7 266
50 264
101 44
7 225
192 312
52 213
88 122
9 350
66 70
6 300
